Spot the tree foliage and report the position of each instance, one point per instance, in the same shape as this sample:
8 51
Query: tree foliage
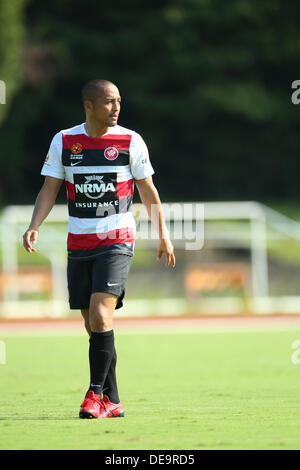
207 83
11 38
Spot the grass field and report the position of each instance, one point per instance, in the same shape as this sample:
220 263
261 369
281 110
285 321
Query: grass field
189 390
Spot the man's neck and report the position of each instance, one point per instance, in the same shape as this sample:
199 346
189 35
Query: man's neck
94 129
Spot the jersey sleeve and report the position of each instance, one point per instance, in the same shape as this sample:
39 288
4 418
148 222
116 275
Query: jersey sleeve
140 164
53 164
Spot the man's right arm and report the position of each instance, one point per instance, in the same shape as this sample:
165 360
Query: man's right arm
43 205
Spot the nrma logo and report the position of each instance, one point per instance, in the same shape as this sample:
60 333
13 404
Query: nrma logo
94 187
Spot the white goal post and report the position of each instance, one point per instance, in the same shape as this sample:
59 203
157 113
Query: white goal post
191 225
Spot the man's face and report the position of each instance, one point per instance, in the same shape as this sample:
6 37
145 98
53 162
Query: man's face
106 108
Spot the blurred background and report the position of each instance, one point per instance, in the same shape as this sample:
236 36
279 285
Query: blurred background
208 84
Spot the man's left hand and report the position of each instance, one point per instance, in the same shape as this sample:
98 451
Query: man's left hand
165 247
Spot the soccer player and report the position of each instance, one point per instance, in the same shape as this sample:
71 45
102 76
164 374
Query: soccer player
100 162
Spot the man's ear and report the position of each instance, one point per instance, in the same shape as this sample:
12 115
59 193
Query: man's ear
88 105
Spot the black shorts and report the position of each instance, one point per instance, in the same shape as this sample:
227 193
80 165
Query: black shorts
104 273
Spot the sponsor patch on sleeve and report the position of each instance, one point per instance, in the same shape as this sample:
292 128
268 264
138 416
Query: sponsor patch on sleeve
47 159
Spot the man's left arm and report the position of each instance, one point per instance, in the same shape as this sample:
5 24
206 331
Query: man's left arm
150 198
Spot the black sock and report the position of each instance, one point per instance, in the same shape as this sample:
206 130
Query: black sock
100 356
110 387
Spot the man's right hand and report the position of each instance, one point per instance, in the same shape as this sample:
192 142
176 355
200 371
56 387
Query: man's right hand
43 205
29 238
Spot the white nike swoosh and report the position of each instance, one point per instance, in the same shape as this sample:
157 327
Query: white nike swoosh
110 284
76 163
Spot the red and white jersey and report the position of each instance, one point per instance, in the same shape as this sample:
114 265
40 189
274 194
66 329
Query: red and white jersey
99 173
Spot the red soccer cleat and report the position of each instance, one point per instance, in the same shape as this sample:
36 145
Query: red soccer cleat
91 406
111 410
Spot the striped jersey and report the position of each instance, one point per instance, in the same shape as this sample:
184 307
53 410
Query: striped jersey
99 174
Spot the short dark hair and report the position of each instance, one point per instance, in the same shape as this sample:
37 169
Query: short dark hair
93 89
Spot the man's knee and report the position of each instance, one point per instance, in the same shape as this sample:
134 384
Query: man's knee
100 321
101 312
